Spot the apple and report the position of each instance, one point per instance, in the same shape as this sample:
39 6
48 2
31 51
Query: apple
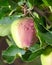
46 57
23 32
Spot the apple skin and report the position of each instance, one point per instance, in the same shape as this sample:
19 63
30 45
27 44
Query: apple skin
23 32
46 57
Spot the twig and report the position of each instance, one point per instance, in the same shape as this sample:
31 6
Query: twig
12 12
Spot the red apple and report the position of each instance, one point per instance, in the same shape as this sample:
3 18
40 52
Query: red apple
23 32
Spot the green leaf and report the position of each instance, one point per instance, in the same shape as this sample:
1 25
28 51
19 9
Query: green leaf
40 25
35 47
10 40
32 3
47 2
33 53
43 34
10 19
11 53
4 30
4 11
21 2
50 7
50 29
47 37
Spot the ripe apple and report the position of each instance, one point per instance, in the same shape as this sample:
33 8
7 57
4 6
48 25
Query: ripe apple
23 32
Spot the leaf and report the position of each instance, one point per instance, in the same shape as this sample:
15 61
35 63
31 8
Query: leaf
32 3
50 7
43 34
21 2
47 2
33 53
47 37
4 11
35 47
39 24
10 54
10 40
50 29
4 30
10 19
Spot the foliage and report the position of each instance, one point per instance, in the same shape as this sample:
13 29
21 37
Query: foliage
40 11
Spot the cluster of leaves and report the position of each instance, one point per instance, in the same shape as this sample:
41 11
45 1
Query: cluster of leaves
9 13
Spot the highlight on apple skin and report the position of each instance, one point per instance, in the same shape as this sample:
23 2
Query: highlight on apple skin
23 32
46 57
